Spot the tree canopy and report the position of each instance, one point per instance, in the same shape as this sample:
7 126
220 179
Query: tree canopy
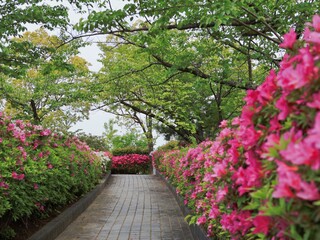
180 67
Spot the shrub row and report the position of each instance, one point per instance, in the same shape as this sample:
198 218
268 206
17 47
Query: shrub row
40 171
131 164
129 150
260 178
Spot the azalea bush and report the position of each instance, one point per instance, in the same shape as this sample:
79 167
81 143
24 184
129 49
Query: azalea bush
105 159
260 178
131 164
40 172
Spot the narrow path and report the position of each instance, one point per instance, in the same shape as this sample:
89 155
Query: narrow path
131 207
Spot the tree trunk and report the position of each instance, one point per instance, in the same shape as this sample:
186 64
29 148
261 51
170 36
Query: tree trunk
149 134
34 111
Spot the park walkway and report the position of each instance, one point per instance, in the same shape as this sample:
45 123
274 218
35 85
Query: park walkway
131 207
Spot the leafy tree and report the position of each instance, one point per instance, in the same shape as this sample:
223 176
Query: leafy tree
15 17
94 142
132 138
49 92
251 28
185 64
131 84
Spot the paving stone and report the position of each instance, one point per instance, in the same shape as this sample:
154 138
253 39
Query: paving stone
131 207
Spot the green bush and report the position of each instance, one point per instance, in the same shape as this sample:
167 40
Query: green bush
129 150
171 145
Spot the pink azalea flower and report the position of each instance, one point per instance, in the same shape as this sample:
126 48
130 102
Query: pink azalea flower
316 22
201 220
314 134
214 212
248 135
252 97
315 101
220 169
209 177
283 106
45 132
221 193
262 224
223 124
17 176
40 206
226 132
4 185
289 39
271 141
309 191
10 127
50 166
267 88
311 37
35 186
293 77
302 153
282 191
235 121
288 175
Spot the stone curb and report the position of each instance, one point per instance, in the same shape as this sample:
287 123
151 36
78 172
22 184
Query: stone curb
197 232
52 229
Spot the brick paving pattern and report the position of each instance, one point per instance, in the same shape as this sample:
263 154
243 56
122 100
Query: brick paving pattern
131 207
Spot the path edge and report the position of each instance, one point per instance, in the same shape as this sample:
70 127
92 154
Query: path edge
197 232
56 226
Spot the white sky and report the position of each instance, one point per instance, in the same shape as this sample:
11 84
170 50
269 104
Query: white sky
95 124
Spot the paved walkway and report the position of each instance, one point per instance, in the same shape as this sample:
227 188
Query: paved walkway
131 207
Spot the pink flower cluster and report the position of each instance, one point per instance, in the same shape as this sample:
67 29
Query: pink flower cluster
130 163
39 171
261 174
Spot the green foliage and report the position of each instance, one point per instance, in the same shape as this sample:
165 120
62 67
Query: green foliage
16 57
94 142
171 145
132 138
186 63
129 150
52 91
186 105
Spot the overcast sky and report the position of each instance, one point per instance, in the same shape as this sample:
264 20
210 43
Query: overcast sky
95 124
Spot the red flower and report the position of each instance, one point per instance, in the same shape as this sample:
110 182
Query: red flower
17 176
262 224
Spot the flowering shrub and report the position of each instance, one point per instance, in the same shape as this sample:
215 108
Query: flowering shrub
131 163
40 171
105 160
260 178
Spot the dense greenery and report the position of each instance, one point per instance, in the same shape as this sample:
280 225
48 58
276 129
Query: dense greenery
178 67
132 139
185 64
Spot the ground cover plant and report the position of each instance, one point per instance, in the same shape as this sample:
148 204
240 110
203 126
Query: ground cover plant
40 172
260 178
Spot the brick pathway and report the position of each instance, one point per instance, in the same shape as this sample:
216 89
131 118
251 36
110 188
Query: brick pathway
131 207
